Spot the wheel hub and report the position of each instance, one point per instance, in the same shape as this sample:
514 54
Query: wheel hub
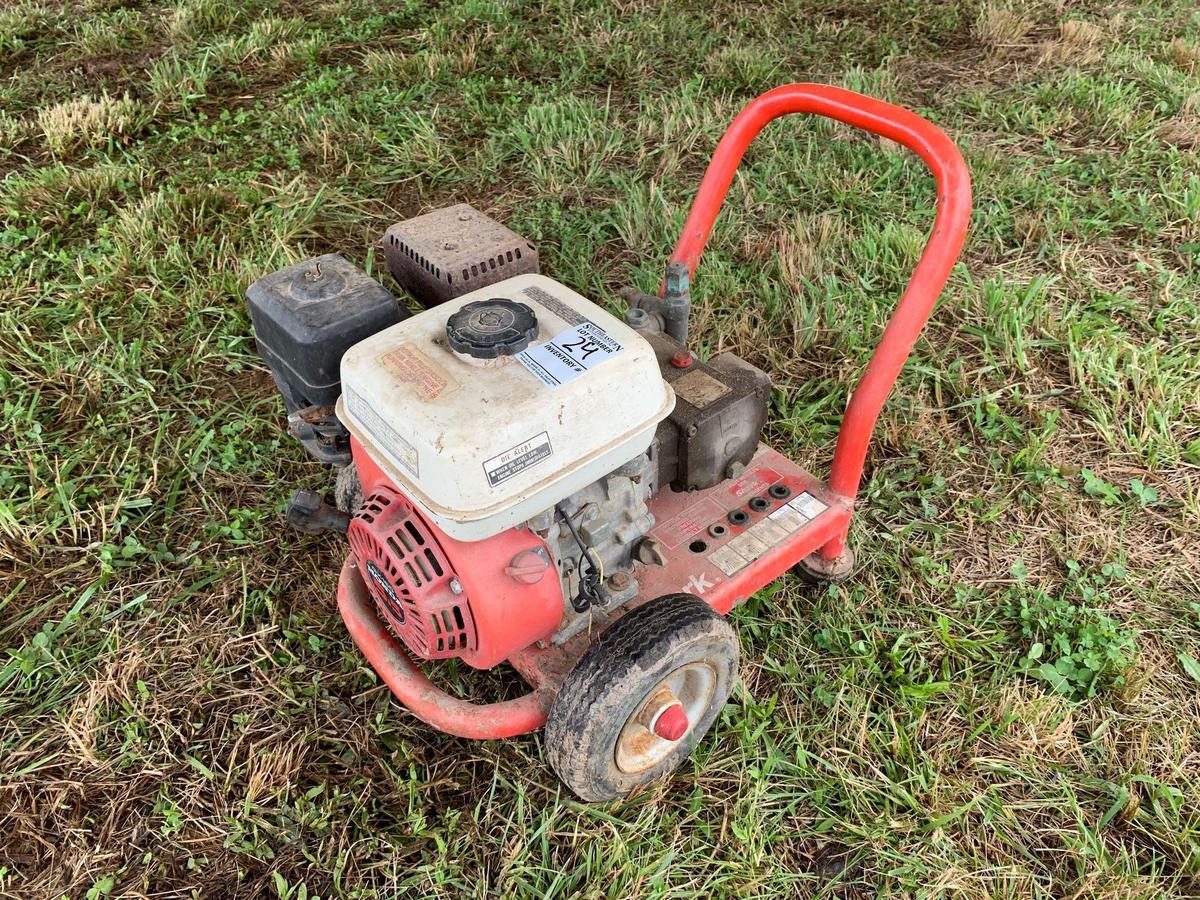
671 722
665 717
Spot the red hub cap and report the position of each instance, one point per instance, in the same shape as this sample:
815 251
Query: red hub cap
652 733
671 723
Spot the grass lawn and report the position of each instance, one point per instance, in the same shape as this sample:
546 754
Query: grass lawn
1003 702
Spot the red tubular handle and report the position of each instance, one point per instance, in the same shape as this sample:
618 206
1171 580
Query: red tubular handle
933 270
430 704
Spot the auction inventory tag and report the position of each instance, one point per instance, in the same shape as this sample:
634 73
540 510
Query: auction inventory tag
569 354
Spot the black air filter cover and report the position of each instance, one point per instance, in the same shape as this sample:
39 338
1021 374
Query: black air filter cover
309 314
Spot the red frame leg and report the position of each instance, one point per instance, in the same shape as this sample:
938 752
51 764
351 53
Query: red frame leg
942 250
428 703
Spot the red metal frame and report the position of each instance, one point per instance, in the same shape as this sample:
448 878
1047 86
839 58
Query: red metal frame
479 566
680 518
684 516
949 231
428 703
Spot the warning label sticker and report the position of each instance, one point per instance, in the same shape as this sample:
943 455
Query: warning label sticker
690 522
517 459
570 354
426 377
397 447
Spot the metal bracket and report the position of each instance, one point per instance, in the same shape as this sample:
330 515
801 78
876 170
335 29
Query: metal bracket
322 434
307 511
668 313
645 312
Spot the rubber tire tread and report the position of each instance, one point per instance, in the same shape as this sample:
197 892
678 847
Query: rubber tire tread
587 712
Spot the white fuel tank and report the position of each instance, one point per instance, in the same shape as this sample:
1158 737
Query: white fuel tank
484 444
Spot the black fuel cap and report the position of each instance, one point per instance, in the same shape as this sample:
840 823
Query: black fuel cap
487 329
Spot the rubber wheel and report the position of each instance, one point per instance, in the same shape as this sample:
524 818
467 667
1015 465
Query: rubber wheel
597 736
347 491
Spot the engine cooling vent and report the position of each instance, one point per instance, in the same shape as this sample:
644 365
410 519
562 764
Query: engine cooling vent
409 577
453 251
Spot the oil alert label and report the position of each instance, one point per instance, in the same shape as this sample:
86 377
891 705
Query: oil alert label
517 459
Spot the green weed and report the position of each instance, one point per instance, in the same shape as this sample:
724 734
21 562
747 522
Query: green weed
1075 648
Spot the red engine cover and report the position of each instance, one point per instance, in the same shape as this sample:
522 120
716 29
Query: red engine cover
410 577
409 565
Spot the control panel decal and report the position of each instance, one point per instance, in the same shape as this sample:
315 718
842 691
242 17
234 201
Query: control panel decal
767 533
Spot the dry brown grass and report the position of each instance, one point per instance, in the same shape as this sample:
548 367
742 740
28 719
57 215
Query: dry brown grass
999 25
1037 726
87 121
1183 129
1184 53
13 130
1080 43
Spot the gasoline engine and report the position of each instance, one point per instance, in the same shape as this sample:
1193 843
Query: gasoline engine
500 448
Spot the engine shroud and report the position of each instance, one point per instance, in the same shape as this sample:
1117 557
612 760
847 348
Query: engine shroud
483 448
503 608
410 577
453 251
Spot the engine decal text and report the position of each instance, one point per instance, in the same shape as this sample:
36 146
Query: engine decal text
556 306
569 354
517 459
425 376
396 447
